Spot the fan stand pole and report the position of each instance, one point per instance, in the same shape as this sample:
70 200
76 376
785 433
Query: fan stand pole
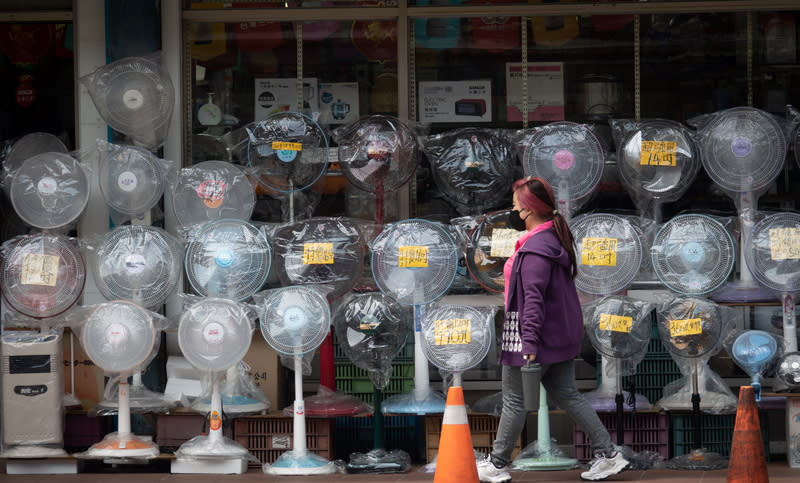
124 412
215 417
620 400
746 206
697 420
377 419
421 374
299 407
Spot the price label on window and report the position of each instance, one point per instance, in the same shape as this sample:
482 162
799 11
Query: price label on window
317 253
615 323
503 242
411 256
784 243
38 269
678 328
599 252
286 146
451 332
658 153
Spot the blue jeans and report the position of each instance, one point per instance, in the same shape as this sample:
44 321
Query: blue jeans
559 381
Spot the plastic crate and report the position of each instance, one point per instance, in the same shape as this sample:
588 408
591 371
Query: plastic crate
172 430
355 381
268 437
716 433
81 431
482 428
644 431
357 434
406 352
652 375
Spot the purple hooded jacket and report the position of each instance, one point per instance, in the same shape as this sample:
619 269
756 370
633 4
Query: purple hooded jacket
543 309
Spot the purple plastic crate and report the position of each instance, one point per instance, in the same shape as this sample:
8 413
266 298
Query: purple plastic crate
644 431
81 431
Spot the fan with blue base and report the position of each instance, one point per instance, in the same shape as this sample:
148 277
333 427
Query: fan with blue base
755 351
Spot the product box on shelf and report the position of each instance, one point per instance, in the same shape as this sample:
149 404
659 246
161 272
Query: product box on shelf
455 101
338 103
280 95
545 91
266 371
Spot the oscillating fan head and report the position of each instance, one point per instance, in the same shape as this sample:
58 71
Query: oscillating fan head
771 252
289 151
326 251
138 263
414 261
49 190
788 369
658 160
456 337
212 190
131 180
473 168
568 156
119 336
295 320
229 259
693 254
377 153
489 245
743 149
754 350
609 253
619 327
214 334
690 327
29 146
42 275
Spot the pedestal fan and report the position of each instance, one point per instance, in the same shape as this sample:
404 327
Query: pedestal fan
755 351
294 321
771 254
214 335
488 247
212 190
118 337
29 146
371 329
743 151
330 252
132 180
414 261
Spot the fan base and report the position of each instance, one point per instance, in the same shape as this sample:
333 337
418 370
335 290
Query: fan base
215 466
410 403
698 459
738 291
545 464
203 447
295 462
236 404
130 446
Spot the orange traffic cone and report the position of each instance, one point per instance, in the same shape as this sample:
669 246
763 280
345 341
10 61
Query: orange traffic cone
748 462
456 460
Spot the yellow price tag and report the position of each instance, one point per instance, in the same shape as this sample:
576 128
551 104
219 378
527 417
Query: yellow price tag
599 252
658 153
410 256
286 146
39 269
503 242
317 253
784 243
678 328
615 323
451 331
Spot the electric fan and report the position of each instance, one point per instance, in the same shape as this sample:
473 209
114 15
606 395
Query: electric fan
693 254
42 275
212 190
131 180
371 329
771 254
414 261
488 246
691 328
569 157
788 371
49 190
657 161
743 150
29 146
214 335
119 337
294 321
134 96
229 259
288 152
755 351
472 167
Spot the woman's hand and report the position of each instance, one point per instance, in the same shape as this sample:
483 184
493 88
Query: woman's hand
529 357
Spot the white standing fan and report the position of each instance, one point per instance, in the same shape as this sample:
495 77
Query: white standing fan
212 190
771 253
414 261
294 321
119 337
29 146
488 247
131 180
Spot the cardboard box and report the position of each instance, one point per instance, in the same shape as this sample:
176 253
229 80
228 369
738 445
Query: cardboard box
545 91
266 371
338 103
455 101
89 379
280 95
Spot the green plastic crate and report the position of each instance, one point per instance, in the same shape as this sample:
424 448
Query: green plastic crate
355 381
716 433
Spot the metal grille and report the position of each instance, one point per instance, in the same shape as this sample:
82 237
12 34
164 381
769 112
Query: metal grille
771 252
295 320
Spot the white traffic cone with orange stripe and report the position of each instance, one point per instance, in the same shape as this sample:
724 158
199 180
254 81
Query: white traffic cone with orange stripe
455 462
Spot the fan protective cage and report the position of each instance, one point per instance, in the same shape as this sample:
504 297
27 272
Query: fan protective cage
609 253
29 146
693 254
771 252
690 327
119 336
371 327
214 334
456 337
131 180
212 190
489 245
229 259
568 156
42 275
414 261
295 320
610 333
138 263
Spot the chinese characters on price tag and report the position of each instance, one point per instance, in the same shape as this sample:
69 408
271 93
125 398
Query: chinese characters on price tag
784 243
678 328
451 331
317 253
599 252
615 323
410 256
38 269
658 153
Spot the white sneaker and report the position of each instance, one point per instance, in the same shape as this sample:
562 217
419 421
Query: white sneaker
602 467
489 473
